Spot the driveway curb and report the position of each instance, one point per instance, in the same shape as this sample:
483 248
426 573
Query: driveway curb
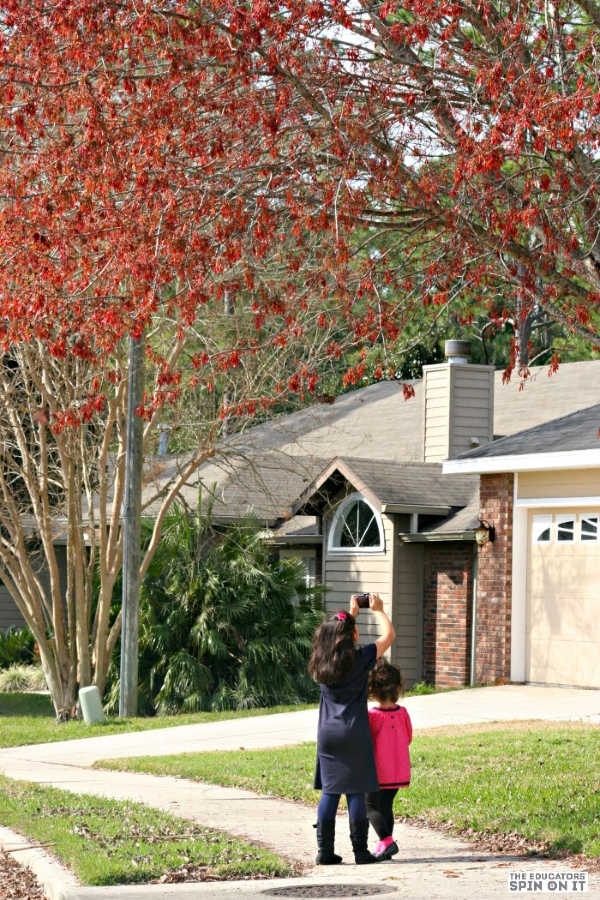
58 882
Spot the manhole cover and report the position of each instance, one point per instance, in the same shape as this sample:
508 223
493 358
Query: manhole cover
329 890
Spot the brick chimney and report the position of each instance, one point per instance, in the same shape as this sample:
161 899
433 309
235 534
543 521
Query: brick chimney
458 404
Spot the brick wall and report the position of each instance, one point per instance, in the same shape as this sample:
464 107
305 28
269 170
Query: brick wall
447 605
494 581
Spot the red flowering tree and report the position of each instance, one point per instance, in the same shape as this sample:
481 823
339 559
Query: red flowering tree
176 152
462 136
138 194
200 171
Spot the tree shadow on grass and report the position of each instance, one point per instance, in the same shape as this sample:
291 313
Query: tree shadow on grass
36 705
566 842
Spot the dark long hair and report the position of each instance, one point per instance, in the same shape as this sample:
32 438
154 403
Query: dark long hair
333 649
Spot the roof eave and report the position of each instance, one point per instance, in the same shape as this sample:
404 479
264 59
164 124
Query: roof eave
426 537
400 508
282 540
523 462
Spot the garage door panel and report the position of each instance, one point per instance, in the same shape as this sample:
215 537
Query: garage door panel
563 614
570 662
573 618
575 573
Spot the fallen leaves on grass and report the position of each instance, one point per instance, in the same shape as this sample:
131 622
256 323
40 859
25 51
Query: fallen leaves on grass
201 873
148 834
17 882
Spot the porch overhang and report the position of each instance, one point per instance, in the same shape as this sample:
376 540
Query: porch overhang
436 537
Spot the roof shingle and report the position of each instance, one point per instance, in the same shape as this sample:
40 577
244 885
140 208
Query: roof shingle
379 434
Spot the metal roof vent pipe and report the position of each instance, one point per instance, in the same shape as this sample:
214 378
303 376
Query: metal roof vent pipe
457 352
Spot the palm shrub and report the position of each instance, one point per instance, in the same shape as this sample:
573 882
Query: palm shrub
16 646
223 624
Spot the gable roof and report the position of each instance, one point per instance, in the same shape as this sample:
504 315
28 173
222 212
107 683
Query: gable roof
261 484
392 487
377 422
577 431
268 467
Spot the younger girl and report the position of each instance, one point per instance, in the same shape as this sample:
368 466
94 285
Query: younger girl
345 761
391 731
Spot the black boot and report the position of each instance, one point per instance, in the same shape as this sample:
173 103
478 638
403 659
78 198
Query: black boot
359 829
325 840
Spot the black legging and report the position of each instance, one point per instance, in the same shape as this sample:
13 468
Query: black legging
380 811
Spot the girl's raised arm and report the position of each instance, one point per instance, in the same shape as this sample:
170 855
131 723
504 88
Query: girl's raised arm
387 629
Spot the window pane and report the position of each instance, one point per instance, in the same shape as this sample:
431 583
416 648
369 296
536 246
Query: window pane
310 565
589 528
346 539
566 530
371 535
365 514
541 529
357 527
349 527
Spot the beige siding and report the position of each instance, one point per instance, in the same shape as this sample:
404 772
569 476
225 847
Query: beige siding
397 576
559 483
349 573
407 649
472 406
9 614
435 414
458 406
10 617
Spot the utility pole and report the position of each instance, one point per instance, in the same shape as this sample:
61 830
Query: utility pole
132 504
229 310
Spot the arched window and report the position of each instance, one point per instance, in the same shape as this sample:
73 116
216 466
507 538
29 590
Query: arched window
356 527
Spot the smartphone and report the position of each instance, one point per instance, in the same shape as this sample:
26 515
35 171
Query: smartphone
362 600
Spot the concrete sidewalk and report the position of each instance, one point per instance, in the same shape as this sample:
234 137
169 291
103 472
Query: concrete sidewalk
430 865
490 704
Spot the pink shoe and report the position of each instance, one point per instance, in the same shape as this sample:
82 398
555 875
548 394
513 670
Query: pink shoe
385 849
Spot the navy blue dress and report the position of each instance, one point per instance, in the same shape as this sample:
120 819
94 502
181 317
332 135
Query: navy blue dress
345 760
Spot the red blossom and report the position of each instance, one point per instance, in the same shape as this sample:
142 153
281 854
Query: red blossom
212 160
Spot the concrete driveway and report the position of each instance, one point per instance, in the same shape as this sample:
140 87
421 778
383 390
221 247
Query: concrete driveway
489 704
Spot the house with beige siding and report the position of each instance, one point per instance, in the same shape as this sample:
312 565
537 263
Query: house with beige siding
364 492
472 508
368 514
541 487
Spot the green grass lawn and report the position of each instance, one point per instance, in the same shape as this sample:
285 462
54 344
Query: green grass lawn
540 782
29 719
113 842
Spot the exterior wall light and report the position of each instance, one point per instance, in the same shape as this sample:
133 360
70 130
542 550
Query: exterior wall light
484 533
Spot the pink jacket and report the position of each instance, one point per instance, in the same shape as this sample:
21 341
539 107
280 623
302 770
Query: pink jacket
391 730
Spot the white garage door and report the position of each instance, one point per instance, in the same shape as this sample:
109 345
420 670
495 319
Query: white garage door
563 609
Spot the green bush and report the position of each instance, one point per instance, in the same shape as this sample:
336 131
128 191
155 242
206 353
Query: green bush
20 678
422 687
16 646
223 624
